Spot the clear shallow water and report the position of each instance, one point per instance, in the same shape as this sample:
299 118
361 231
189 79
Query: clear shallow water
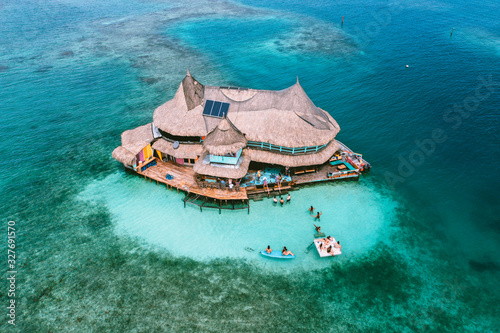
102 249
207 235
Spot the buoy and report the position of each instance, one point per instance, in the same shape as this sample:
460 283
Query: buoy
407 66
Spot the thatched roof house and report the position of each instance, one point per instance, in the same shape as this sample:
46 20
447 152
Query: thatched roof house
224 139
201 125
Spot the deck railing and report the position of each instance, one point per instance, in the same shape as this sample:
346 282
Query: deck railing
286 150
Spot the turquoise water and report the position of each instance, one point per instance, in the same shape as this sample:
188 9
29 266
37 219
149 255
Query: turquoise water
100 249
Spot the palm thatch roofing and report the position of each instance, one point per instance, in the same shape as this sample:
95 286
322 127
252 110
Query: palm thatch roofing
133 141
284 118
123 155
191 151
204 167
224 139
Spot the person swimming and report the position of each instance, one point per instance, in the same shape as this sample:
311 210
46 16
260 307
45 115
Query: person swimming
316 217
317 228
311 209
282 201
288 198
275 200
268 250
285 252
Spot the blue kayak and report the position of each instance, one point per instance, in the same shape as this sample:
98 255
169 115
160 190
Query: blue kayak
276 254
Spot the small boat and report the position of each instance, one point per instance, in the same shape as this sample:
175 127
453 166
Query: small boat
276 254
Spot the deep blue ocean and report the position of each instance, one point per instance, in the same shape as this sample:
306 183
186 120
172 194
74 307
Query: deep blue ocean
414 86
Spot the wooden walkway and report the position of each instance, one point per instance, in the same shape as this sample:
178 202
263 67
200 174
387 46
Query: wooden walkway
184 180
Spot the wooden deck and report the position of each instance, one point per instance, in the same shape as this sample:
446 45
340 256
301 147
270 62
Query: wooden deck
184 180
321 175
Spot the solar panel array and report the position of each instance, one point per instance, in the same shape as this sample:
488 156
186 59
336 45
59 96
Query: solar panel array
215 109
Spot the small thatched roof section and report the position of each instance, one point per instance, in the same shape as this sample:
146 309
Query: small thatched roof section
224 139
193 91
269 157
224 171
182 115
183 151
133 141
136 139
123 155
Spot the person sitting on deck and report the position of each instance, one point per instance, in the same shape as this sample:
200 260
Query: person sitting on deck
282 201
317 227
320 246
311 209
275 200
268 250
337 245
288 198
285 252
316 217
329 250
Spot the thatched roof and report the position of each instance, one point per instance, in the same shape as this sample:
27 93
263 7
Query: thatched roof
270 157
285 118
123 155
133 141
183 151
136 139
204 167
180 116
224 139
193 91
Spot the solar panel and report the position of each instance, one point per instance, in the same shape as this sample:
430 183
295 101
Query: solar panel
215 109
223 110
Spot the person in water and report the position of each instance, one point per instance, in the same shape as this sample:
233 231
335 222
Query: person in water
268 250
285 252
275 200
288 198
317 227
311 209
282 201
316 217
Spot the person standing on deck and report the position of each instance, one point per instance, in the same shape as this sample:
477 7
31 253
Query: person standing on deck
258 175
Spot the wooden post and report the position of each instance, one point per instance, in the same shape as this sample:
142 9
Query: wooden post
248 202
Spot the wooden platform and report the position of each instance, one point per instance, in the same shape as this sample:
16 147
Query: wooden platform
184 180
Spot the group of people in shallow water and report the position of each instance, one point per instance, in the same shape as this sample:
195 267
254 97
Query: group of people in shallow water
284 252
282 201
